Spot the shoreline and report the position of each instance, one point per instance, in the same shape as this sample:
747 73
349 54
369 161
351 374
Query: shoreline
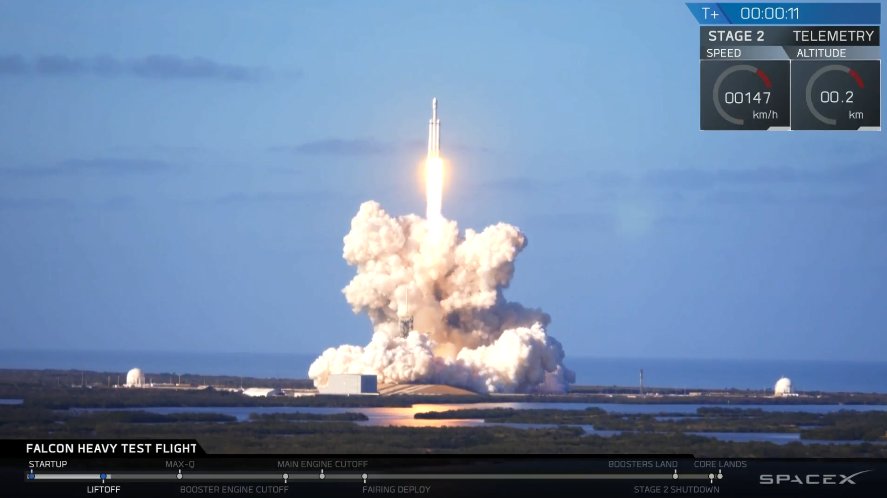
73 388
704 422
690 374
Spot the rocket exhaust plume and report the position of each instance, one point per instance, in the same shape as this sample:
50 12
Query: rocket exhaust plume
435 299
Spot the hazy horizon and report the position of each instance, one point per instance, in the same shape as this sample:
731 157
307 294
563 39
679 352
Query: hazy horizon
314 354
689 373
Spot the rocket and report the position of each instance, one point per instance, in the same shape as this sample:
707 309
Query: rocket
434 131
434 171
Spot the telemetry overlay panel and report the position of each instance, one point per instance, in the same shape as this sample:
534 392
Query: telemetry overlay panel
789 66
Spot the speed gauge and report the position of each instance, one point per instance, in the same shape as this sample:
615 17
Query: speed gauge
744 95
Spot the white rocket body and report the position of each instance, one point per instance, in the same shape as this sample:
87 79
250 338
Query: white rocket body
434 171
434 131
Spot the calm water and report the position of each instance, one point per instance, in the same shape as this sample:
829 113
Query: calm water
404 416
710 374
746 437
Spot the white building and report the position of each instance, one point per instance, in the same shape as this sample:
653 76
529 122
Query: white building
262 392
783 387
349 384
135 378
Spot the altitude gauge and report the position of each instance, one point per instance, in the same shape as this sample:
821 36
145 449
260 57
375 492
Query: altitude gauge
744 95
836 95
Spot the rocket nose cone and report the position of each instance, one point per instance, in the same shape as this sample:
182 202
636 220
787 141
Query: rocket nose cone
434 102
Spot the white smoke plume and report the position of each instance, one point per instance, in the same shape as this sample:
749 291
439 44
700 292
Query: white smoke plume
464 332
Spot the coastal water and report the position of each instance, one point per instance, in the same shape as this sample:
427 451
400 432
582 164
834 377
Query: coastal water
806 375
405 416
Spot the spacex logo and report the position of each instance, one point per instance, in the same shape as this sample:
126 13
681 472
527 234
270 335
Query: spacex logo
809 479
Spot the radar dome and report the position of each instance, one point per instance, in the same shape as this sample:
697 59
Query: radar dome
783 387
135 378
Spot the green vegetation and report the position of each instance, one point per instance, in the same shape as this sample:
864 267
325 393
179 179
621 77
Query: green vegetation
53 389
867 426
10 378
286 434
63 398
51 409
842 425
585 394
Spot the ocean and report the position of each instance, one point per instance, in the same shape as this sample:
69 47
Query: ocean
806 375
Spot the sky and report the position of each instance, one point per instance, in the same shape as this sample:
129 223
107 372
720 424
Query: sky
179 176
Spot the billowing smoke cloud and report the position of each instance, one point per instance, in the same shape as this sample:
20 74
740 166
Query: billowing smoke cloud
464 332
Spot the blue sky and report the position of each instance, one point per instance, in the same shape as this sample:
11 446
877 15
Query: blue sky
178 175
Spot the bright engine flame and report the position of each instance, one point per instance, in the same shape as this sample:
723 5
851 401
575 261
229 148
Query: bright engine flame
433 188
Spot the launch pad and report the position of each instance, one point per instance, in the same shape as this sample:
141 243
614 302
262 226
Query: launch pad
424 390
